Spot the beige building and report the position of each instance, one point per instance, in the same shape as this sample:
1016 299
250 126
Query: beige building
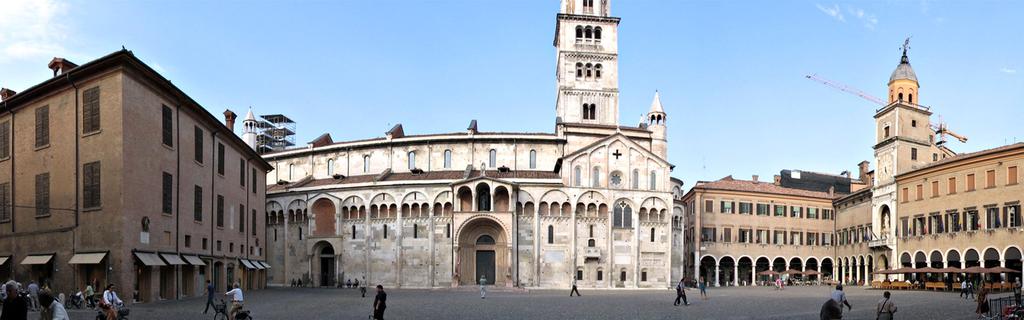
590 200
111 174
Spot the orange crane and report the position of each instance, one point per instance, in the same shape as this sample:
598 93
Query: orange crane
941 129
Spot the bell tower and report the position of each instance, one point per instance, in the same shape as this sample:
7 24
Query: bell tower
586 70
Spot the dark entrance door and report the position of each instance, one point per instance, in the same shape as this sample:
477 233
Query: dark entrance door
485 265
326 266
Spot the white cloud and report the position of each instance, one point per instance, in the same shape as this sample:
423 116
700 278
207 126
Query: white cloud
869 20
32 29
1008 70
832 11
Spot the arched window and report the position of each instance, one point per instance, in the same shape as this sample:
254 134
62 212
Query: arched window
448 159
551 234
579 32
910 97
576 176
291 170
366 163
591 231
330 167
597 71
353 231
412 160
652 234
416 231
600 274
900 96
597 33
590 70
492 160
591 243
622 215
485 239
593 111
533 159
595 177
579 70
654 180
483 197
588 33
448 230
586 111
636 179
385 231
622 275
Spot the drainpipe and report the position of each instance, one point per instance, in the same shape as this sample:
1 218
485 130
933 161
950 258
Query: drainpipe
213 197
177 198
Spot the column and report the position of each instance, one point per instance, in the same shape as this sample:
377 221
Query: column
803 268
736 274
717 265
430 237
753 268
575 261
398 244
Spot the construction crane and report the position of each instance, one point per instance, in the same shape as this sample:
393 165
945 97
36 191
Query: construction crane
941 129
846 88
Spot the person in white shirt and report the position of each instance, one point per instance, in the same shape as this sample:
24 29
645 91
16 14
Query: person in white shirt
53 307
110 302
236 300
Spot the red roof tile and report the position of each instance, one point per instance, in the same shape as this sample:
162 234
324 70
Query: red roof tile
730 184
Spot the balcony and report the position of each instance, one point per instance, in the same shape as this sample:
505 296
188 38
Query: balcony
591 253
884 243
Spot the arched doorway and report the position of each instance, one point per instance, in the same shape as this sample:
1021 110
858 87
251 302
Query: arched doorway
726 268
483 253
707 269
826 268
746 269
324 261
762 264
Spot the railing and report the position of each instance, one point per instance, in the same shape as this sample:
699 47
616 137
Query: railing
883 242
592 253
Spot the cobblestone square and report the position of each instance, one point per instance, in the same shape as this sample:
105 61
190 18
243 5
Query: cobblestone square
724 303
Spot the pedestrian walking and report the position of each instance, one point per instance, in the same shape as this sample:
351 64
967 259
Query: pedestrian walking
681 293
483 290
886 308
362 289
982 308
840 297
51 308
963 288
15 308
703 288
209 297
970 290
577 291
33 294
1016 291
380 303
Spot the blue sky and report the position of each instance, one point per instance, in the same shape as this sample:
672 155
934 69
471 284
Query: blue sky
731 73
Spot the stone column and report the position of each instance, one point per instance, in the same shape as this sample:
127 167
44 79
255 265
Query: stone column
736 274
753 268
717 265
430 246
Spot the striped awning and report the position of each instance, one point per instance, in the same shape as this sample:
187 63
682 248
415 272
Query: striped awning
173 259
247 264
37 259
257 264
150 259
87 258
265 265
194 260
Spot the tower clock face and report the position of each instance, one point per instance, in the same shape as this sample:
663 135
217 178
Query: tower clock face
885 165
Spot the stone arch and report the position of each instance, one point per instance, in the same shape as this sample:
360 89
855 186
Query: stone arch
935 259
324 212
826 267
502 198
323 264
953 258
483 197
353 207
727 267
972 258
465 199
495 251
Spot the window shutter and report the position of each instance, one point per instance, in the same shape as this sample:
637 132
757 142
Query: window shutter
42 126
198 204
5 140
91 110
168 191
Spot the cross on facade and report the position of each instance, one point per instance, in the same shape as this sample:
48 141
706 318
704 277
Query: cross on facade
617 153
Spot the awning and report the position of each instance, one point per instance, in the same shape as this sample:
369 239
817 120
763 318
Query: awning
247 264
150 259
265 265
37 259
4 259
257 264
194 260
173 259
87 258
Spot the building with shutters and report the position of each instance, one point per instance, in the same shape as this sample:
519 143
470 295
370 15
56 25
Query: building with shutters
111 174
591 200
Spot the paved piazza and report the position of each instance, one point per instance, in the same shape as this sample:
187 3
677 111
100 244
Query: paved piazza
725 303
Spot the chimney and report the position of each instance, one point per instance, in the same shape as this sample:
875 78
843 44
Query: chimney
229 119
863 167
60 66
6 94
754 178
778 180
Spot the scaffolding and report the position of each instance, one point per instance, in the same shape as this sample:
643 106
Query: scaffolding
275 132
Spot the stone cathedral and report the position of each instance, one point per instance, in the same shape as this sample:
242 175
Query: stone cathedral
591 201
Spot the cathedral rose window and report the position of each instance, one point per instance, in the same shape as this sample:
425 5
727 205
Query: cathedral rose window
616 179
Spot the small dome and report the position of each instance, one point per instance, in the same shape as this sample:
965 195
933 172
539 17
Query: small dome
903 71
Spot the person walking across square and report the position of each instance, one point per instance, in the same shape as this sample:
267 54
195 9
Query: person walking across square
380 303
209 296
886 308
483 290
703 285
577 291
681 293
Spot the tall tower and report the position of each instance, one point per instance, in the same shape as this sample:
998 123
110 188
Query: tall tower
656 124
586 43
249 130
904 141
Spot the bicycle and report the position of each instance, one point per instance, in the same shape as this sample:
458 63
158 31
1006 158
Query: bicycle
221 312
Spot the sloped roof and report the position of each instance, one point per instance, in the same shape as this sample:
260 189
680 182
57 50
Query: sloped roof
452 175
730 184
965 156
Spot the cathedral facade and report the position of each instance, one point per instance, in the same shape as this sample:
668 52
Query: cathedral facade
592 201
